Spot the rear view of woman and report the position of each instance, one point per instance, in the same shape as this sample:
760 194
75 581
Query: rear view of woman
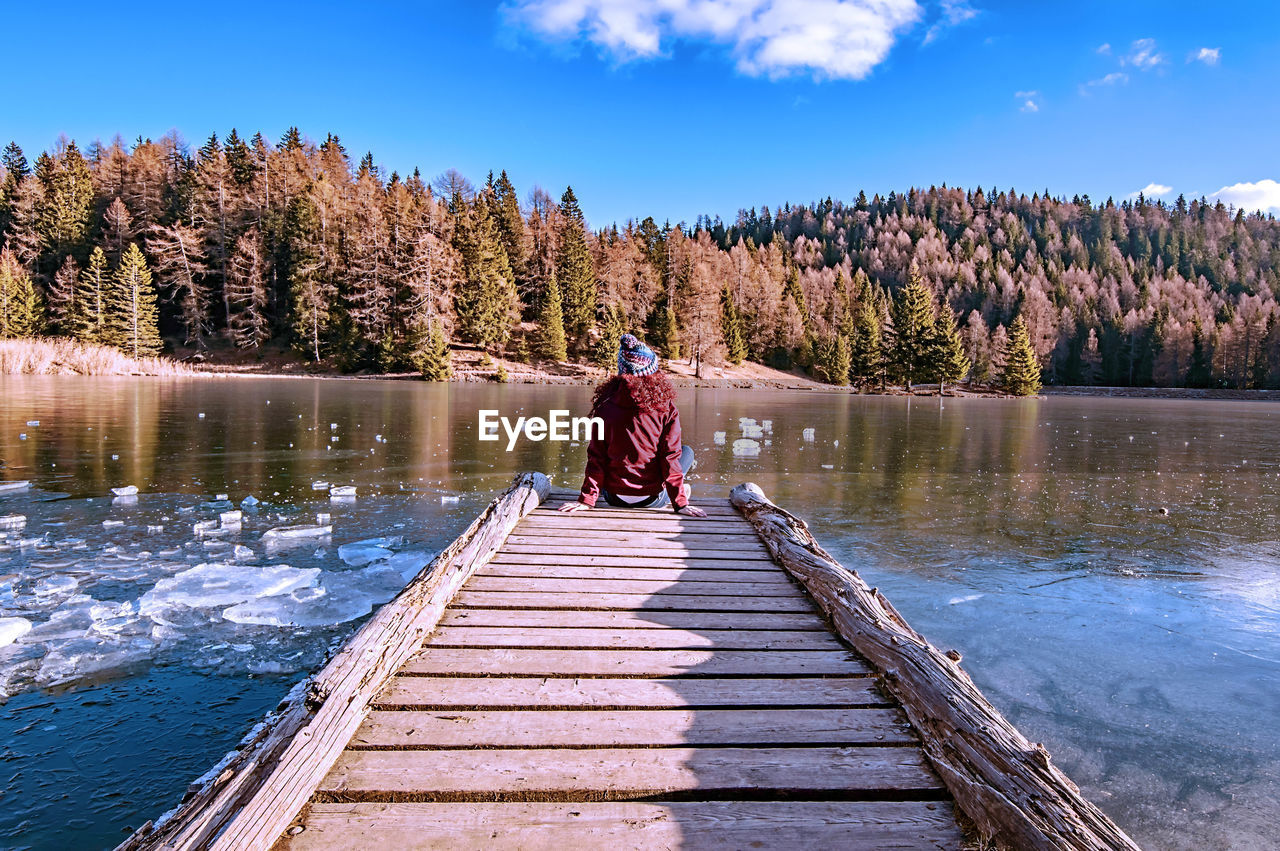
640 463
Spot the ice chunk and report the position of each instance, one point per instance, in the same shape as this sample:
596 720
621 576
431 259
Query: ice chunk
154 530
767 425
200 415
718 438
127 490
745 447
12 522
408 564
342 490
360 553
13 487
333 426
968 598
11 629
202 526
249 503
242 553
449 500
342 597
752 431
222 497
124 500
33 423
827 466
112 524
323 519
215 585
296 532
89 657
52 586
231 518
808 434
319 486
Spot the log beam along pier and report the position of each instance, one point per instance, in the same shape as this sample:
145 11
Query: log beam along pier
634 679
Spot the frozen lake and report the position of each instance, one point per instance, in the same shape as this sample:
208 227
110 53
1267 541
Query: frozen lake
1110 569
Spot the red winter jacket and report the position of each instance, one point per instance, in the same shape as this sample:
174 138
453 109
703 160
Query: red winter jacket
640 453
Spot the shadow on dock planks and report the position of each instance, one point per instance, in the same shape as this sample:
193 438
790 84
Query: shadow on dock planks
634 679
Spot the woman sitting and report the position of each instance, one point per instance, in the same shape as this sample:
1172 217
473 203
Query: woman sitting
640 462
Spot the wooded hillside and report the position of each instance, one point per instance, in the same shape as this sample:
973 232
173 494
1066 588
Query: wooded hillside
257 244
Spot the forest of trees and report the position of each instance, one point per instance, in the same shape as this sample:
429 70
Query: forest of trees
255 244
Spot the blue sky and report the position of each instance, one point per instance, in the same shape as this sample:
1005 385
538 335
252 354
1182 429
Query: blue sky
679 107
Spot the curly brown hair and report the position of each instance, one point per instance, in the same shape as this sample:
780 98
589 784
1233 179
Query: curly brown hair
648 392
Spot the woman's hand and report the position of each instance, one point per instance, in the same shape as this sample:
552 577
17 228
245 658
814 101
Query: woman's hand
690 511
574 506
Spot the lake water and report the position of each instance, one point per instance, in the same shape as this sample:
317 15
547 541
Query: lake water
1141 647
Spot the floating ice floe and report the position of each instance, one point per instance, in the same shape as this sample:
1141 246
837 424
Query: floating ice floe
200 415
23 436
293 532
319 486
154 530
745 447
968 598
333 426
323 519
11 629
112 524
202 526
342 490
33 423
360 553
214 584
447 499
56 586
249 503
767 425
808 434
242 553
342 597
222 497
13 487
127 490
752 431
718 438
827 466
231 518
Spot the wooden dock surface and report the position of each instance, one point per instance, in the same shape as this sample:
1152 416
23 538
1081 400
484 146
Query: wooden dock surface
630 679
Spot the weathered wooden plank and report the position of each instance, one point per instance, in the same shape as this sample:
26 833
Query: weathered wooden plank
769 573
713 509
652 540
607 546
249 802
654 560
623 773
630 826
1004 783
629 602
634 663
632 586
606 693
531 618
580 728
660 638
658 523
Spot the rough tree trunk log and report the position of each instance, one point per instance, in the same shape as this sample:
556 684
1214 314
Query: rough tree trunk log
249 798
1005 784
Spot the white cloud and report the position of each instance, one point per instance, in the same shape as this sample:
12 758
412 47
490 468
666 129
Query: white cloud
1030 100
1112 79
954 13
1263 195
1152 190
1104 49
1207 55
1142 55
842 39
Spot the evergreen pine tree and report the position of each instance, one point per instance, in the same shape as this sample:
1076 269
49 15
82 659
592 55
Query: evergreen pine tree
831 359
574 269
735 341
867 362
20 314
1021 375
1200 373
551 344
88 318
793 290
131 307
510 228
432 360
913 319
666 331
16 170
61 297
606 348
947 356
310 289
484 306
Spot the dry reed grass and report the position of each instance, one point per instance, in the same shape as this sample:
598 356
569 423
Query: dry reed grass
60 356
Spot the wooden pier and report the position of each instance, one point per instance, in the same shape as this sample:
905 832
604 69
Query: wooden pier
634 679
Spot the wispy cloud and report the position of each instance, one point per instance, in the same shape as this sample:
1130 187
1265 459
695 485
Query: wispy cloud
837 39
1207 55
1115 78
1030 100
954 13
1152 190
1104 49
1263 195
1142 55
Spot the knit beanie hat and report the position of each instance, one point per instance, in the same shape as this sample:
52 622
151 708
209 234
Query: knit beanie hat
635 358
